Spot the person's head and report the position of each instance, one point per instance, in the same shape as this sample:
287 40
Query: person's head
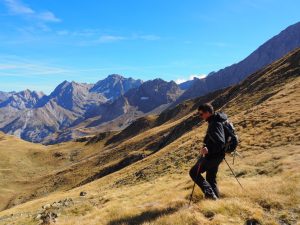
205 111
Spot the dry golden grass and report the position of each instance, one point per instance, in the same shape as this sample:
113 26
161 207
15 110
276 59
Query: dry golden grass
23 163
163 200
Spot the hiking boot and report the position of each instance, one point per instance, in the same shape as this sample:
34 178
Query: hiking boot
207 190
209 194
211 197
216 191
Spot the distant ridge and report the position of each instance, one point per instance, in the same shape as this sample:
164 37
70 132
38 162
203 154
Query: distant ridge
275 48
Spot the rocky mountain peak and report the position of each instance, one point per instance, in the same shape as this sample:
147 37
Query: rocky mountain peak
114 86
115 77
153 93
74 96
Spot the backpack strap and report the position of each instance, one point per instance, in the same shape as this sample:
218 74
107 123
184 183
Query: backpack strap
227 129
224 127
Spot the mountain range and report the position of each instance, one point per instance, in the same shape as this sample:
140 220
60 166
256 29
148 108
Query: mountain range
79 109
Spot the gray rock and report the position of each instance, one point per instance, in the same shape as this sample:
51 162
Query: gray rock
38 217
83 193
47 206
48 218
55 205
252 222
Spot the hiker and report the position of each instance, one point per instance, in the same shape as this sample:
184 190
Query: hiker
212 152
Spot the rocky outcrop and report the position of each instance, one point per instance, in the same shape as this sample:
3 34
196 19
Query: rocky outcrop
50 212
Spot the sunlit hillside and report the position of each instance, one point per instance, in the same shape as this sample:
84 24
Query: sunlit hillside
140 175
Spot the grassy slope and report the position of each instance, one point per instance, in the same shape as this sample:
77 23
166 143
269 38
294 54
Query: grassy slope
155 189
23 163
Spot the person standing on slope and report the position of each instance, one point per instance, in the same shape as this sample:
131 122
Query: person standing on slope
212 152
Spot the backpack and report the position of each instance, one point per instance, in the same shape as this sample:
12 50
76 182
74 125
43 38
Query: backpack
231 139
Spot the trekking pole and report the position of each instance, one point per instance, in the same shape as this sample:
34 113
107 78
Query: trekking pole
235 153
198 170
233 158
234 174
192 194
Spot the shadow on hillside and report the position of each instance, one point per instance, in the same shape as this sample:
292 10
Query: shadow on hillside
147 216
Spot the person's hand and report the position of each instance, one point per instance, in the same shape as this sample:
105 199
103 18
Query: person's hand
204 151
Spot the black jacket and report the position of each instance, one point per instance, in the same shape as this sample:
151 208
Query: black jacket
215 138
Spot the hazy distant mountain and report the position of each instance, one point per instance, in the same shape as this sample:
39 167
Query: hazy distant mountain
5 95
33 116
22 100
36 123
152 94
138 101
187 84
273 49
115 85
75 97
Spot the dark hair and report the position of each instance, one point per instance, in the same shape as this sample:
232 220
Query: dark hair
206 108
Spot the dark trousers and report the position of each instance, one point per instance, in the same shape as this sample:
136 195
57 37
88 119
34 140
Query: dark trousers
208 186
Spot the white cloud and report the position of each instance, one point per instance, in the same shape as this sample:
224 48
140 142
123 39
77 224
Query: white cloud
149 37
16 7
85 33
13 66
48 17
113 38
199 76
191 77
110 38
23 69
62 32
180 80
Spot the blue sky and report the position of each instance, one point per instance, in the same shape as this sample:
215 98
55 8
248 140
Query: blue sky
43 42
